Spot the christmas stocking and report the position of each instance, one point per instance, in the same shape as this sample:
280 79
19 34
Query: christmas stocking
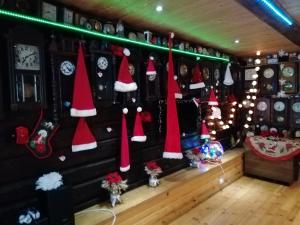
39 143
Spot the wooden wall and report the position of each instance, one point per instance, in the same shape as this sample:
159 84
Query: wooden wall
83 171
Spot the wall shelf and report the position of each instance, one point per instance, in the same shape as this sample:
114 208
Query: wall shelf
22 17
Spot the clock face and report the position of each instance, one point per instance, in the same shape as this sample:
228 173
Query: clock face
98 26
217 74
205 73
68 16
183 70
279 106
49 11
262 106
296 107
288 71
102 63
67 68
268 73
27 57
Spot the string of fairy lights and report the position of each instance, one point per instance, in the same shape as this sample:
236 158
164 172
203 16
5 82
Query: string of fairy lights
249 102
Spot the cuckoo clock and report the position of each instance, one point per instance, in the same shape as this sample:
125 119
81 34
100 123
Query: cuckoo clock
288 75
26 68
279 112
262 111
268 76
152 82
101 73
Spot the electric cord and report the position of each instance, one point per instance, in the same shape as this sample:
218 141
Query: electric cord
101 210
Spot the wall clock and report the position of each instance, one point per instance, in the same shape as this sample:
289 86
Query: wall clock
279 112
26 68
152 83
268 79
262 111
67 16
295 112
49 11
67 68
102 63
288 77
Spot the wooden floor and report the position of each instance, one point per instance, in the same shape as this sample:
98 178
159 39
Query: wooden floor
248 201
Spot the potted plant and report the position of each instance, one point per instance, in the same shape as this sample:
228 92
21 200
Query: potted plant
153 170
114 184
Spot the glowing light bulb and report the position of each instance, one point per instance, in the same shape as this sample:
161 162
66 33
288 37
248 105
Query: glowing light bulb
250 112
234 103
240 105
249 118
254 97
244 102
159 8
257 61
248 96
231 116
221 122
233 110
246 126
230 121
224 127
212 117
251 90
258 53
251 104
213 132
257 68
255 76
254 82
254 90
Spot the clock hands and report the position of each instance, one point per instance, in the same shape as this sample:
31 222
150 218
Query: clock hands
24 59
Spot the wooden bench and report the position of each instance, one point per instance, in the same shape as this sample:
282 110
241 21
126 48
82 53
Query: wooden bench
177 194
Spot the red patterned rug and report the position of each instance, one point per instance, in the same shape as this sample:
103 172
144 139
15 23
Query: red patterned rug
273 148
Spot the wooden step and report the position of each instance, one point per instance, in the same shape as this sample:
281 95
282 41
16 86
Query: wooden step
177 194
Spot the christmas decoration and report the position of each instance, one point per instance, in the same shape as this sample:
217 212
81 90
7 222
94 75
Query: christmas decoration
39 143
213 116
115 185
153 170
82 103
138 131
204 131
151 71
229 110
211 151
146 117
125 82
194 157
29 216
228 77
172 148
178 94
125 163
83 138
197 81
22 135
49 181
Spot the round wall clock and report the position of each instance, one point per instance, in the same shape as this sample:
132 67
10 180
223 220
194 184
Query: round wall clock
205 73
296 107
102 63
183 70
262 106
279 106
268 73
67 68
288 71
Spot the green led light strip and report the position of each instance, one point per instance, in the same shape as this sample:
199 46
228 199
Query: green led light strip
101 35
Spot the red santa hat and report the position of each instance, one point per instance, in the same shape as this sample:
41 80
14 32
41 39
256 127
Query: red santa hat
212 98
197 81
150 67
83 138
125 82
124 164
204 131
172 148
138 131
178 94
82 103
228 78
231 99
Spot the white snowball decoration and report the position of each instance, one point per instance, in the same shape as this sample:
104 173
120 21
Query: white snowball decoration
151 58
125 110
49 182
139 109
126 52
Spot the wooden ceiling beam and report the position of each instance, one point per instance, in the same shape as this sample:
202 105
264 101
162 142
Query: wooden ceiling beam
290 32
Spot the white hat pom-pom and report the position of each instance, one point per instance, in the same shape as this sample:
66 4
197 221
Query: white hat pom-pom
125 110
172 35
139 109
175 77
151 58
126 52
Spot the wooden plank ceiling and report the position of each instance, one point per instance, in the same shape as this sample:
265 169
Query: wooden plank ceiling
214 23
